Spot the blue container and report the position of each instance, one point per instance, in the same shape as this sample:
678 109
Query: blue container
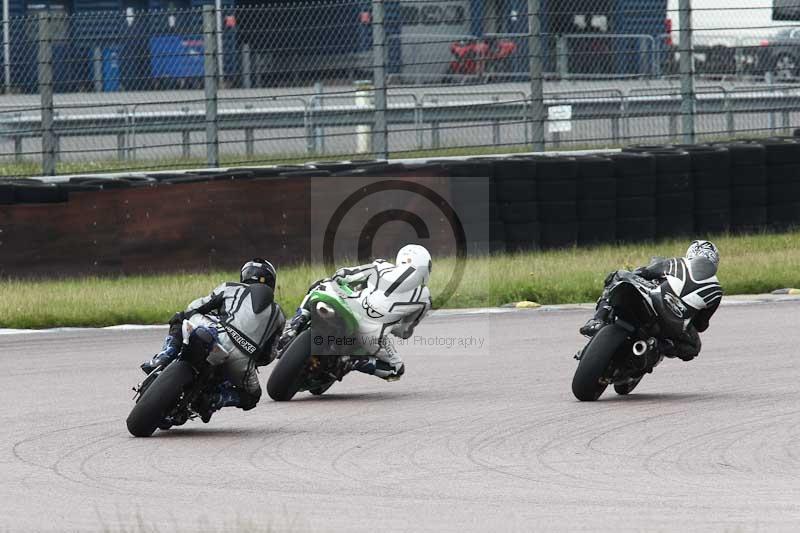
111 69
642 17
176 56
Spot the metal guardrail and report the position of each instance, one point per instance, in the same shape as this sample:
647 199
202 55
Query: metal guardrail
427 113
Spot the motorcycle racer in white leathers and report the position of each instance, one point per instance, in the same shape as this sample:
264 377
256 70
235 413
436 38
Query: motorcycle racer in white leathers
391 298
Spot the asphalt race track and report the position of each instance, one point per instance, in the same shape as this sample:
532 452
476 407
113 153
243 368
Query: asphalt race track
479 438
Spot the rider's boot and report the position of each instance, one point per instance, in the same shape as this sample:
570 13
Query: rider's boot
298 322
672 350
169 351
387 365
382 369
226 395
600 319
172 345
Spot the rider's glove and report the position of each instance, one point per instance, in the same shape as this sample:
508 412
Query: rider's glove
297 323
177 318
403 331
300 319
317 284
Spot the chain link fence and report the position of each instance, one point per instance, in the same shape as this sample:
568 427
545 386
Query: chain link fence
357 79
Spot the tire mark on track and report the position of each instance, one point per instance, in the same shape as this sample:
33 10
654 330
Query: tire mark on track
57 466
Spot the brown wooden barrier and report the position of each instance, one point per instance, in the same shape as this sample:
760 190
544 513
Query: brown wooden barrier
191 227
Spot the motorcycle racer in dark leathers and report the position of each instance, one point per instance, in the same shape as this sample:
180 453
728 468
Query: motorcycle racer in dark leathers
692 280
245 320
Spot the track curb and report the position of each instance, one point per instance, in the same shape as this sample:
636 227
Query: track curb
525 306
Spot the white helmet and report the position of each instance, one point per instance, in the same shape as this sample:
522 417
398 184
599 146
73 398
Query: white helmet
703 249
416 256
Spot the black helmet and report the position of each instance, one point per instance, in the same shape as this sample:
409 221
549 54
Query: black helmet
259 271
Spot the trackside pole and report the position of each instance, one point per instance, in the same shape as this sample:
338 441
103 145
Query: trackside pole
211 76
537 79
687 76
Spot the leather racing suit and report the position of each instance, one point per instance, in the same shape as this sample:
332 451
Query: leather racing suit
390 300
694 282
247 321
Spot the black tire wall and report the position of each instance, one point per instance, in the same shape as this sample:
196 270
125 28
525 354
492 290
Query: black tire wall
675 212
636 196
557 191
783 183
517 205
711 171
505 203
597 200
748 171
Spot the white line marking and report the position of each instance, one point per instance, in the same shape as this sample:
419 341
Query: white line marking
442 313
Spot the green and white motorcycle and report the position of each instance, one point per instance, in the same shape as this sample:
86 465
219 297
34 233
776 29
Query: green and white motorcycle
322 353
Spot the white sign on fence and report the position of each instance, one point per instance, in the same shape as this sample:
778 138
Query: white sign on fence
559 118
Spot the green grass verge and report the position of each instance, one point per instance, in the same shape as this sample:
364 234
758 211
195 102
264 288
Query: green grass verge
750 265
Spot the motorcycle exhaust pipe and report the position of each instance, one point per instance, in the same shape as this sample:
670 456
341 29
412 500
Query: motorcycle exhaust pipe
325 311
640 348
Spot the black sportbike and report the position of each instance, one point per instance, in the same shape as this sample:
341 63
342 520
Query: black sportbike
180 391
645 316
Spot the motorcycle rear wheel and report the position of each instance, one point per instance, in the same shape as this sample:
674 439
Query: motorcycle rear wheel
286 378
597 356
159 398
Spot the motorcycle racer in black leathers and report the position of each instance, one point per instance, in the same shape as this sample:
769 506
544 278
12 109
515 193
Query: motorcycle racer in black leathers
245 320
694 285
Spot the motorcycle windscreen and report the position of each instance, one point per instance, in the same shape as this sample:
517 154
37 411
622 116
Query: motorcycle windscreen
629 304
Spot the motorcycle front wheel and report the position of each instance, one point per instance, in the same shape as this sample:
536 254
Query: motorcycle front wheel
159 398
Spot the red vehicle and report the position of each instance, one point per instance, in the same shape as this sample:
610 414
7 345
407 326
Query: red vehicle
479 57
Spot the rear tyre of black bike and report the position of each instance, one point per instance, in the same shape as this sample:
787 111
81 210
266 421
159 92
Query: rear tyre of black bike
159 399
597 356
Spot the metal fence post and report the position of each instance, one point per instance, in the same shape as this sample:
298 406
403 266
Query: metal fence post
562 57
211 76
6 49
247 80
46 93
249 139
365 133
537 79
436 133
97 69
318 104
687 71
380 143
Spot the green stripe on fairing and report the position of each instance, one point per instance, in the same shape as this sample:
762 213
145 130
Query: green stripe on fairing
341 308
